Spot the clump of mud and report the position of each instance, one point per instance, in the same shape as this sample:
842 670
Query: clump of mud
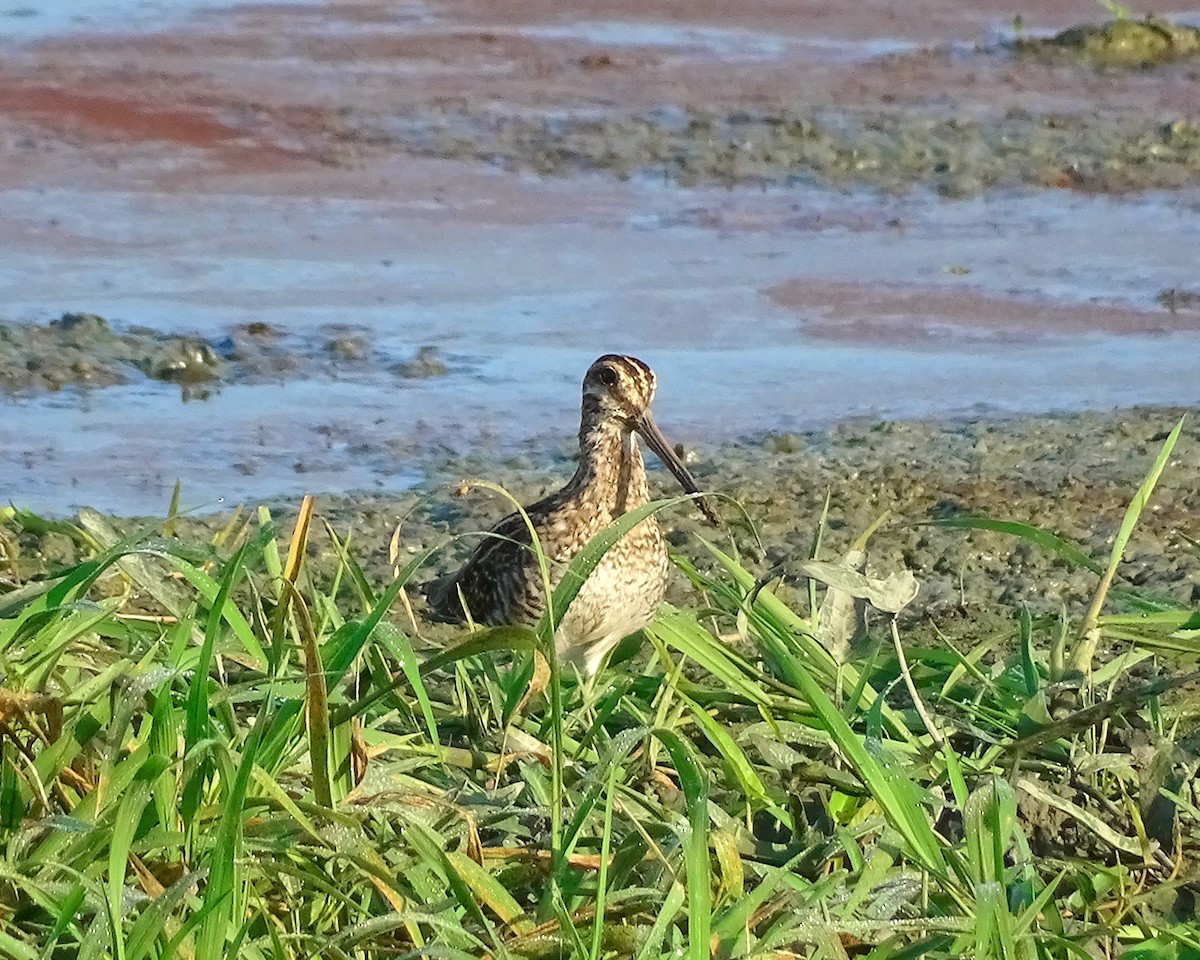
84 350
1179 301
956 155
1119 43
425 363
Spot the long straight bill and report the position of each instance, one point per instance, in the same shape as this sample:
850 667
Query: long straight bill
666 453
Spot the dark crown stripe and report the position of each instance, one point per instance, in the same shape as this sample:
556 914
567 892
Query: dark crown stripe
631 367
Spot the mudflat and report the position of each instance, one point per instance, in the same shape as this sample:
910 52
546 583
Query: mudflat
374 246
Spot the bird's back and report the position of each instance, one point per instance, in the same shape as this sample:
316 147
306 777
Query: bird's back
501 582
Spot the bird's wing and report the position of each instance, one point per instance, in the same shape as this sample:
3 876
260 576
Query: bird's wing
496 565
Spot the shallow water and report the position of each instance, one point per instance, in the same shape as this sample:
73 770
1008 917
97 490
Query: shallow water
727 43
25 20
122 449
205 262
519 310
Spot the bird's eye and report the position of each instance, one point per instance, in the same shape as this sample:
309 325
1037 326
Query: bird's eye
608 376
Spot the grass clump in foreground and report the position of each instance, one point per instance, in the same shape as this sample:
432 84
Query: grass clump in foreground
207 754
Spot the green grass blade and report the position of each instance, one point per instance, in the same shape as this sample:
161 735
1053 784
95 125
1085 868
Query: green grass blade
489 891
152 924
674 899
486 640
622 745
401 649
125 825
892 790
989 817
735 758
693 782
210 590
197 720
680 629
431 848
220 894
68 910
1089 634
16 949
594 950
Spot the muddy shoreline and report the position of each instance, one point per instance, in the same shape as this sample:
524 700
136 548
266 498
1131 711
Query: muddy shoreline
1071 474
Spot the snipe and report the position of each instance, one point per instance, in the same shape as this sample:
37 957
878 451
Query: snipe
501 582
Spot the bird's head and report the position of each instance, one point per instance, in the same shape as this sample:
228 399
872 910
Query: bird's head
621 388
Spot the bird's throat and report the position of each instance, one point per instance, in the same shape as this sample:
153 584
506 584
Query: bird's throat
610 466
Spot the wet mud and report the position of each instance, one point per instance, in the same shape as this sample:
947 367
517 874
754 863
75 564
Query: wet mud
858 98
958 156
956 139
1121 43
83 350
1072 475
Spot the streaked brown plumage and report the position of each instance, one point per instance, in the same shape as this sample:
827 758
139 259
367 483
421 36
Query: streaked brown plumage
501 583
